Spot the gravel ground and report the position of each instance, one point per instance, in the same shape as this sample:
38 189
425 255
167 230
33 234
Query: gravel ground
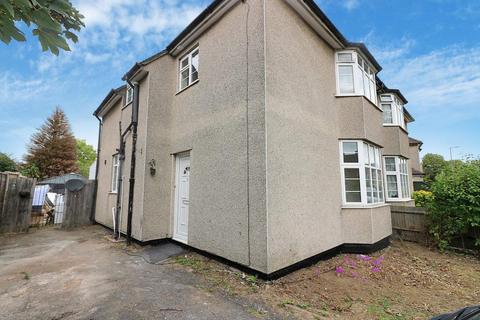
57 274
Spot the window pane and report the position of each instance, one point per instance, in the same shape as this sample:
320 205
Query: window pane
380 185
371 155
386 98
345 80
368 180
387 113
390 164
345 57
350 152
352 173
353 197
366 87
184 63
352 185
195 66
185 79
392 187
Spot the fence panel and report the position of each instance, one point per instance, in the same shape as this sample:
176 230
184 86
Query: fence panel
16 193
78 206
409 223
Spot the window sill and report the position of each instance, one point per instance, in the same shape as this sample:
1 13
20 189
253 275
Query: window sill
364 206
126 105
395 125
112 192
399 200
190 85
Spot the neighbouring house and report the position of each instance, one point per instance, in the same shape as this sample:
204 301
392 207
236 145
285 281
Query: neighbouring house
260 135
416 164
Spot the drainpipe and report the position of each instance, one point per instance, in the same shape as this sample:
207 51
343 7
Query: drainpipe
133 159
95 189
121 160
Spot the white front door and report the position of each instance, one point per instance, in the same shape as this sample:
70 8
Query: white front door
182 198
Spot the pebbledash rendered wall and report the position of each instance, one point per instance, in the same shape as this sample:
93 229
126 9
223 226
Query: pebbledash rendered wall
304 122
262 126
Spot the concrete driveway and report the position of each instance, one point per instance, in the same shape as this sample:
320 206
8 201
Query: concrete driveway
56 274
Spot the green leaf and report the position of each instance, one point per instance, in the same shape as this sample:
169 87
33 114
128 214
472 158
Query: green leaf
8 6
72 36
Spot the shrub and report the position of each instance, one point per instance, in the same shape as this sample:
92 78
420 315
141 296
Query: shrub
422 198
456 203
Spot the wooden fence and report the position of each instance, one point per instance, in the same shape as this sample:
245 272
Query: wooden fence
410 224
79 206
16 194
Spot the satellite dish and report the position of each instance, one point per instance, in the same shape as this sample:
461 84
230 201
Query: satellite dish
74 185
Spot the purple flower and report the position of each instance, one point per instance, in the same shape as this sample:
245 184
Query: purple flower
364 257
339 270
354 274
377 262
350 263
376 269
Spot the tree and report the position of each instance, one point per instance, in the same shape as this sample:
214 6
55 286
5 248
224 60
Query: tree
53 147
455 206
7 163
86 156
432 165
30 170
54 20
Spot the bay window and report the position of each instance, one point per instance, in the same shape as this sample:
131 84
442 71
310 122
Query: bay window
362 180
355 76
392 110
188 69
396 175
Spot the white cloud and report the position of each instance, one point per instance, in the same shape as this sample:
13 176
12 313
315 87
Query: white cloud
351 4
445 79
14 88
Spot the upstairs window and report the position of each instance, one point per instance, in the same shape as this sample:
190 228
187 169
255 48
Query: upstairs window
362 179
188 69
129 96
115 171
396 175
355 76
392 110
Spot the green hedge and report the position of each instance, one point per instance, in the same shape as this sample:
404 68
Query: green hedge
454 204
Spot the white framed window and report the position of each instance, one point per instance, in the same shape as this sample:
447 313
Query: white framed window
393 113
188 69
115 171
355 76
361 172
129 95
396 176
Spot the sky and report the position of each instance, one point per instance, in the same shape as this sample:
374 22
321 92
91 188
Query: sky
428 49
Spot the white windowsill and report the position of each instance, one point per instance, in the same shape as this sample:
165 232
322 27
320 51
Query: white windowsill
190 85
399 200
364 206
395 125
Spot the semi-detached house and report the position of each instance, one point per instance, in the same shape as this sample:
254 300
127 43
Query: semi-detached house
260 135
